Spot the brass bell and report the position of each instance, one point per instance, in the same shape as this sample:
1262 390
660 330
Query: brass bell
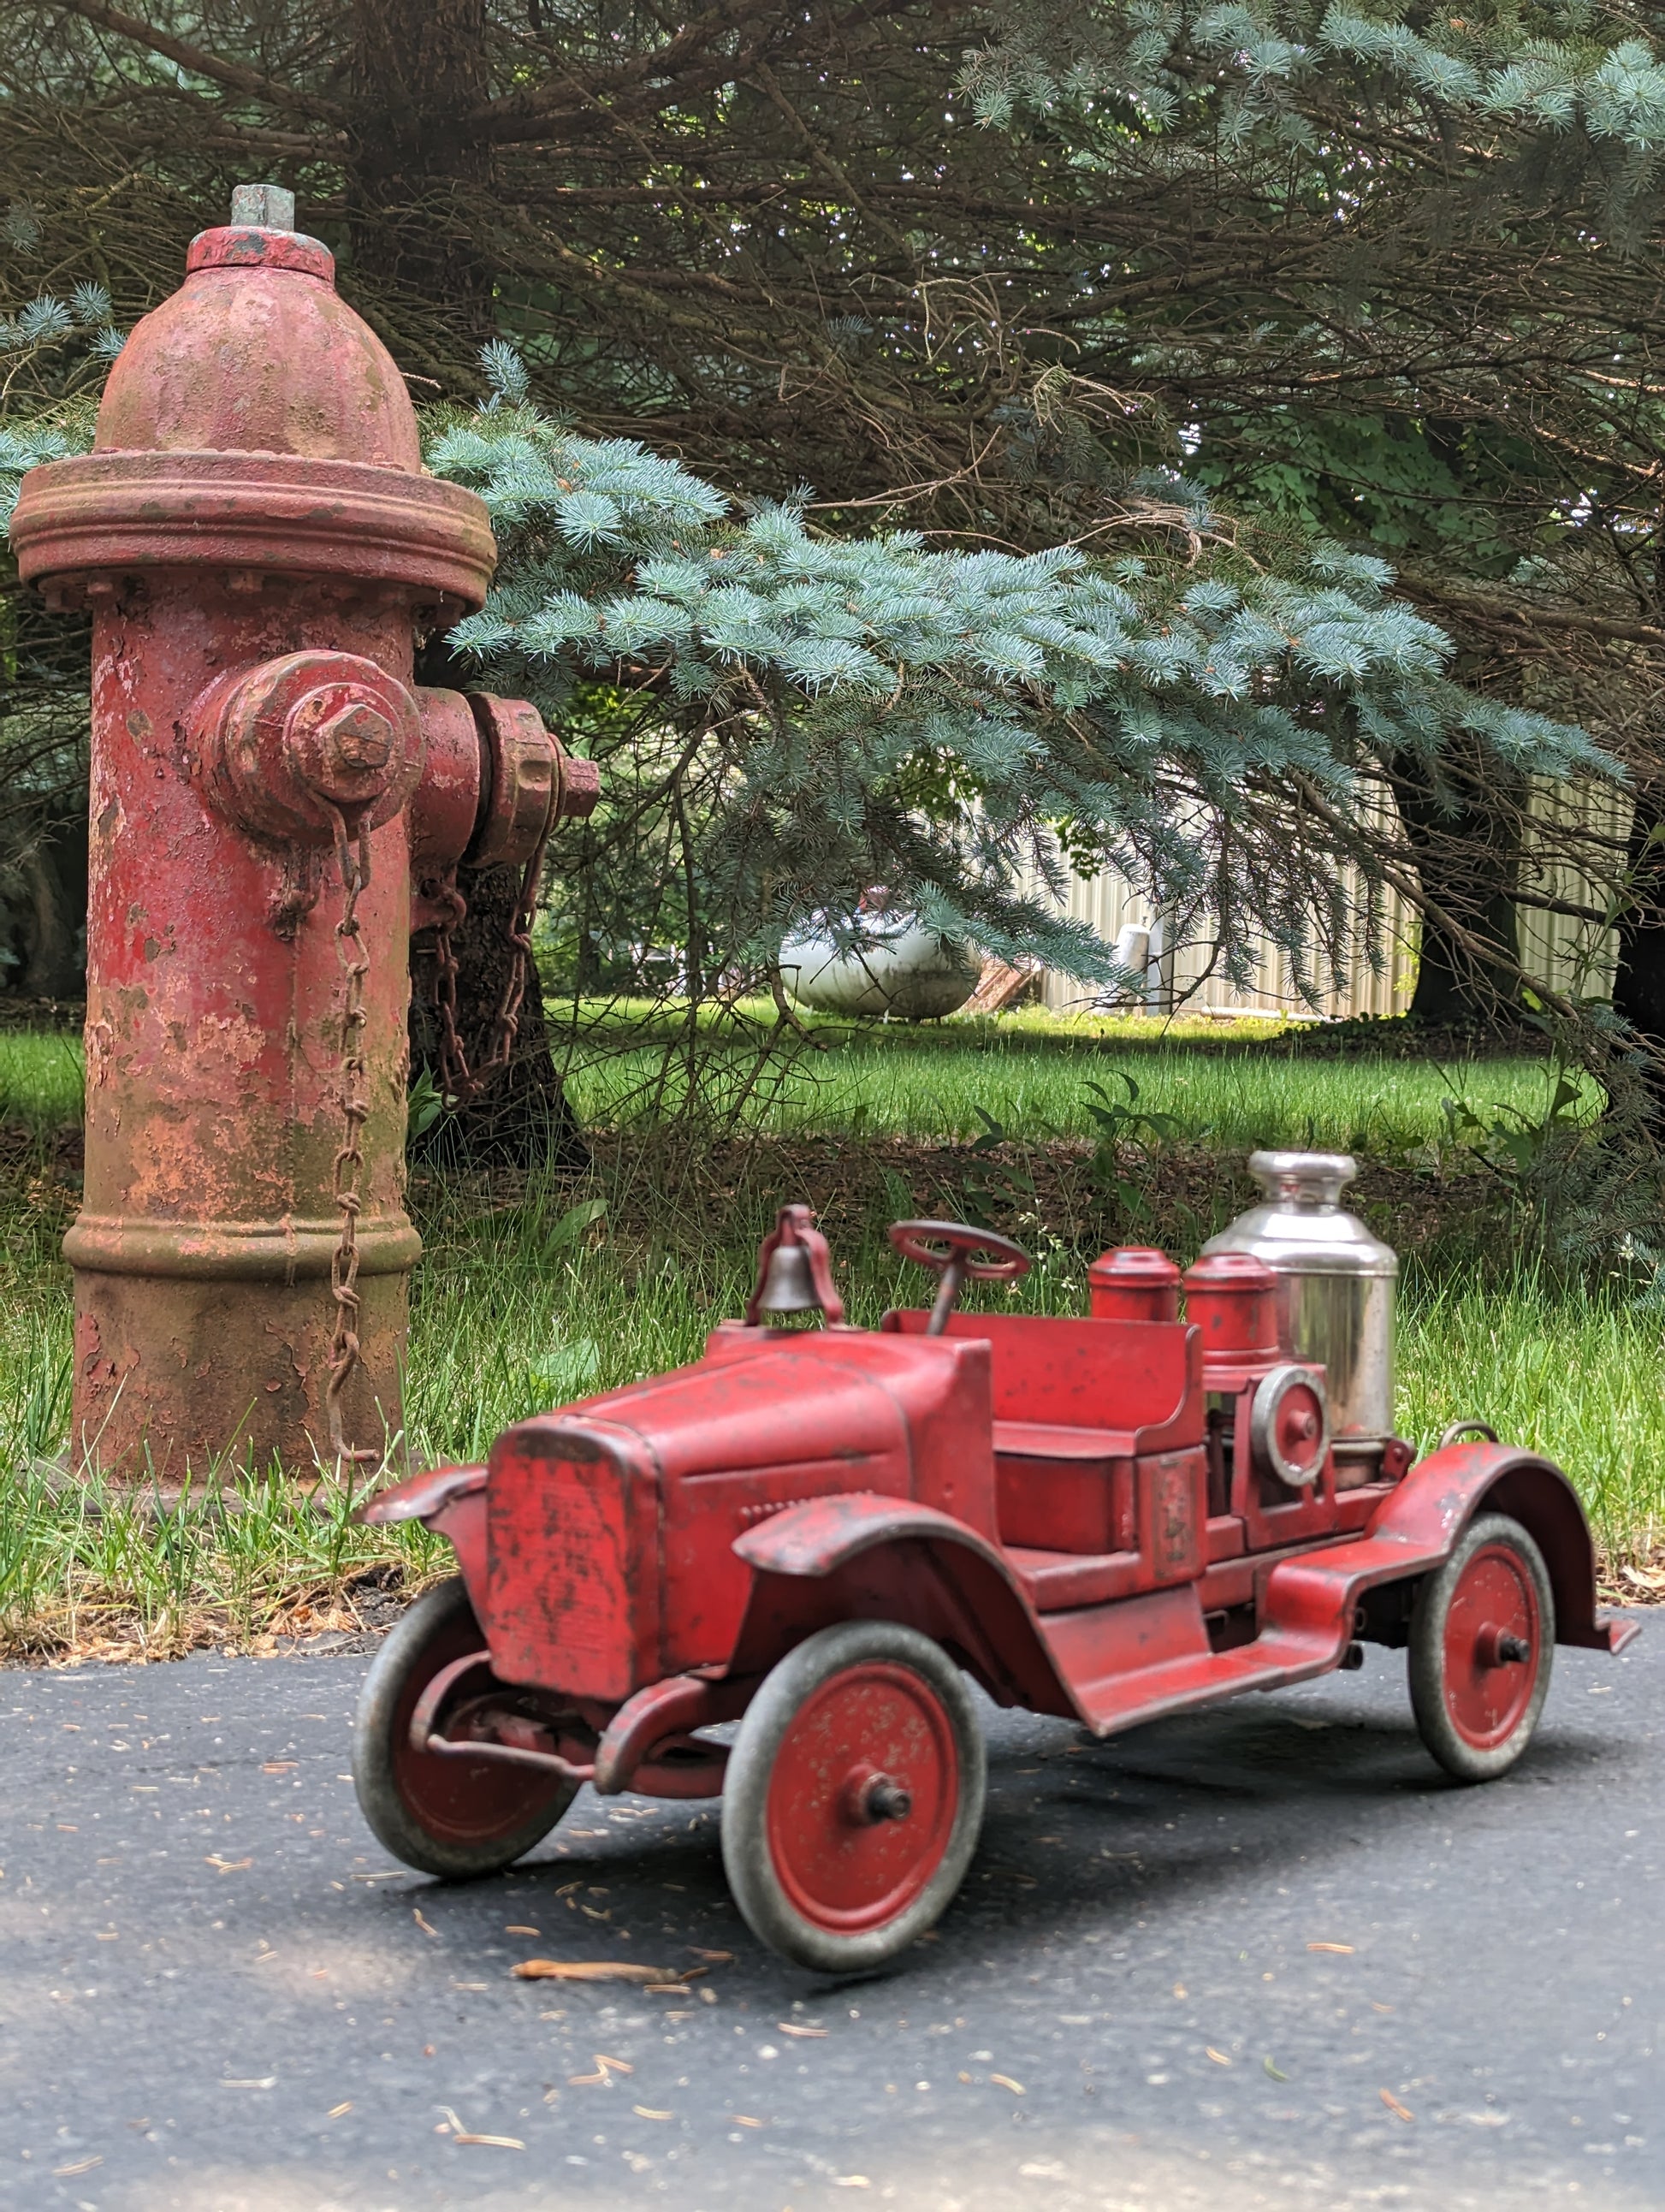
794 1271
788 1285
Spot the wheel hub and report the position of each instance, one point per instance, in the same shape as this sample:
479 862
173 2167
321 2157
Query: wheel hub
1492 1636
1500 1647
873 1797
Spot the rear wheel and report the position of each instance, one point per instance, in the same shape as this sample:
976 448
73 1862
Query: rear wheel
1482 1637
457 1818
854 1796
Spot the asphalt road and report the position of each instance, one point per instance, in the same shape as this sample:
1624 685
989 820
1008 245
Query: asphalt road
1264 1956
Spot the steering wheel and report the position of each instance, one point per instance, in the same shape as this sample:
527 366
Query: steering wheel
914 1241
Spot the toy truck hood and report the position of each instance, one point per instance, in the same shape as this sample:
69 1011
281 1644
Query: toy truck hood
766 1398
612 1524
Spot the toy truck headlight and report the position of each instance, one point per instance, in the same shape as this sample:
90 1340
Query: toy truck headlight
573 1565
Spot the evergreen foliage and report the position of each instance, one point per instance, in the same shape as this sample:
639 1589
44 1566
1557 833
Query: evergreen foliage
1200 287
53 356
872 710
1263 68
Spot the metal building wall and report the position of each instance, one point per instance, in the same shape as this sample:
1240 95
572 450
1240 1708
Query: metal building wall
1571 954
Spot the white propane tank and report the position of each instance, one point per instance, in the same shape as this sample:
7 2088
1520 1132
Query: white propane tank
896 967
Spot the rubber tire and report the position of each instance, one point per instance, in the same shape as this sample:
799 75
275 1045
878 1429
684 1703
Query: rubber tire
1466 1761
747 1861
439 1623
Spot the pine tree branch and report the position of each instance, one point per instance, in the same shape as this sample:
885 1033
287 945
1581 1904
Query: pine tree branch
236 77
676 71
827 162
1520 615
282 145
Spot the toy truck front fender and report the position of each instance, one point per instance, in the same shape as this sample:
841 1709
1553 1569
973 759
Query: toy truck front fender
880 1559
450 1500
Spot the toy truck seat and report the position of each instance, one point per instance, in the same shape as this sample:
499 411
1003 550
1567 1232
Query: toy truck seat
1099 1430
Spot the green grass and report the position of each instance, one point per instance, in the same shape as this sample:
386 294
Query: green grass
91 1570
1574 1373
1033 1074
41 1077
519 1304
861 1090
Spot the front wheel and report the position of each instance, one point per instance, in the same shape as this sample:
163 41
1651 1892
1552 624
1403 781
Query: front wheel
1482 1637
854 1796
456 1817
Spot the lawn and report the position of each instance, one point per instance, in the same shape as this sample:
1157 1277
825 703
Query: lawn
524 1299
1036 1076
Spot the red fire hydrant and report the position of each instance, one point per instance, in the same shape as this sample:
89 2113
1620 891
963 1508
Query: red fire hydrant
263 553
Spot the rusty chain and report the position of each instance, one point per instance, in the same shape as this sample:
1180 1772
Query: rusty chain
458 1080
353 859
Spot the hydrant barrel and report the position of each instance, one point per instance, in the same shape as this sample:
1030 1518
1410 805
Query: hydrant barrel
261 551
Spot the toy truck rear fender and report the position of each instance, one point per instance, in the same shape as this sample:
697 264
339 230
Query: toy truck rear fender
1321 1598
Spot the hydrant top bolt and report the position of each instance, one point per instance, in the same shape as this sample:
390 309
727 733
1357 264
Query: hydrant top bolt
262 207
357 737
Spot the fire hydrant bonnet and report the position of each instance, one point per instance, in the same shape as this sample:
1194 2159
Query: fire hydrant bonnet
254 422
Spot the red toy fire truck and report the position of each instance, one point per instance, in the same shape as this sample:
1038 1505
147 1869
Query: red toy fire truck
820 1532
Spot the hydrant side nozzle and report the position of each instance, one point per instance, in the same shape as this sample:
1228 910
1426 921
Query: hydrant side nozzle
519 784
446 805
530 783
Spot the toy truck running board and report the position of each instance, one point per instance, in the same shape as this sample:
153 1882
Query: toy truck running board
1118 1665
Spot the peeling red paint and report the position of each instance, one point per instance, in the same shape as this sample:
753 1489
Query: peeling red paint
261 552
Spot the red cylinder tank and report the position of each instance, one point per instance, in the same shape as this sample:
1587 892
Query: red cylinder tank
1232 1298
1134 1282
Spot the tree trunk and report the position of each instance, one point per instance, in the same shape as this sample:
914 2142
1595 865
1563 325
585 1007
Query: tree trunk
522 1119
1466 840
420 66
1638 983
55 873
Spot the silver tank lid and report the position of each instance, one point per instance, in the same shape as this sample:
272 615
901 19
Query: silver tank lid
1303 1228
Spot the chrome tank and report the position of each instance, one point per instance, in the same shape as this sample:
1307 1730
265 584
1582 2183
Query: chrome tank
1335 1293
